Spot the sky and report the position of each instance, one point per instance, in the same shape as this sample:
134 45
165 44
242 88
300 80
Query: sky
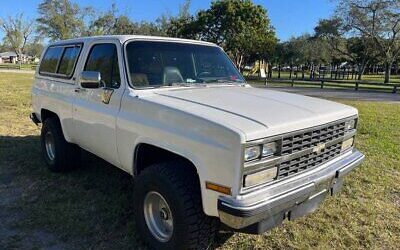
289 17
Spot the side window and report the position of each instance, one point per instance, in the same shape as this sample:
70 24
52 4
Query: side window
103 58
60 60
50 60
68 60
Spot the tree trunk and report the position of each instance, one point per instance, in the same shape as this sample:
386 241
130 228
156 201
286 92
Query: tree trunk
388 68
336 71
279 71
19 56
361 70
239 62
269 70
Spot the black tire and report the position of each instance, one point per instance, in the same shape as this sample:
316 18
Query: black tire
180 187
66 156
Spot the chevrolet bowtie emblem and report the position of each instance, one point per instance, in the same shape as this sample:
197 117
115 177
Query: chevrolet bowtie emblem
318 149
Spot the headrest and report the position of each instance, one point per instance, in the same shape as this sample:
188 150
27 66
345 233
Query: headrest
172 75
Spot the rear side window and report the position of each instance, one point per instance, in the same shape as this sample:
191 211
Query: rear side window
60 61
50 60
68 60
103 58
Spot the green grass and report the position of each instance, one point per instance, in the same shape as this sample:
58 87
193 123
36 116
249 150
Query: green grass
92 206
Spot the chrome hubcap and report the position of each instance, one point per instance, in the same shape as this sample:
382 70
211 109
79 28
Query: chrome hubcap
50 146
158 216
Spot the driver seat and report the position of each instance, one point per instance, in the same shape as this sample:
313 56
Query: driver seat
172 75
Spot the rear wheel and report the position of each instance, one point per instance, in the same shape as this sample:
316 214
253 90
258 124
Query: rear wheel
168 208
57 152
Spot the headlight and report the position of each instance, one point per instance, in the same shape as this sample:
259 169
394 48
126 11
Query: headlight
347 143
252 153
350 124
260 177
269 149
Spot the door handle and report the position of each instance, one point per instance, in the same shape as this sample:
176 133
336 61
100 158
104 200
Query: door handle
78 90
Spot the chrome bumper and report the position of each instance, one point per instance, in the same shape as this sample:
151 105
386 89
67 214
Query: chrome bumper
266 208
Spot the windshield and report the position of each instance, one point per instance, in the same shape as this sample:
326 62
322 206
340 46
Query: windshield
155 64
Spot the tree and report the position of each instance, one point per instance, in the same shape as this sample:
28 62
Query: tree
17 33
304 51
35 48
359 50
242 28
378 20
111 23
180 25
4 47
60 19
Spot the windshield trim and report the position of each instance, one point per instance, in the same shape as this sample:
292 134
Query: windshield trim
125 59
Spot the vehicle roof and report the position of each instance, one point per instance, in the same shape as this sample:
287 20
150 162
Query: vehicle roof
124 38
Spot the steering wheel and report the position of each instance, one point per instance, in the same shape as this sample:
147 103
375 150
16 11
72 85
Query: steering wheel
203 74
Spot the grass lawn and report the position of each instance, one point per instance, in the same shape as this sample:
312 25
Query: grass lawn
91 207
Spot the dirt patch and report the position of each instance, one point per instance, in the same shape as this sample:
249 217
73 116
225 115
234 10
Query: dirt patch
11 235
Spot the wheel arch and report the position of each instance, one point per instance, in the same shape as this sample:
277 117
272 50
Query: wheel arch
47 113
144 156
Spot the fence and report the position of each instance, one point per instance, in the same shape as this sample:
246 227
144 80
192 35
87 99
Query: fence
324 83
9 66
18 67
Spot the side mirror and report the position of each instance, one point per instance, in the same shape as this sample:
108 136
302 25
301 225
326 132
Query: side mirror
90 79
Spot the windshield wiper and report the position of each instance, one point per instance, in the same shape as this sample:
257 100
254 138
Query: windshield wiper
180 84
224 81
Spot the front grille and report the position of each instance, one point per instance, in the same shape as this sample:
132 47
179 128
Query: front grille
308 161
308 139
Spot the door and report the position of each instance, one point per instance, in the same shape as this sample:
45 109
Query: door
95 109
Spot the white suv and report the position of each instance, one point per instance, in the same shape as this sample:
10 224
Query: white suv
203 146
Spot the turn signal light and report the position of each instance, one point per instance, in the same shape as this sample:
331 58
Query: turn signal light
218 188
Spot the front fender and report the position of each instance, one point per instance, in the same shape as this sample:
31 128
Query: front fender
213 149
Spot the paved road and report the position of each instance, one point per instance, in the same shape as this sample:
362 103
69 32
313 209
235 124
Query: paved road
362 95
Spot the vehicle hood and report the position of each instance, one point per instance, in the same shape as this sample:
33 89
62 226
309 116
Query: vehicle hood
254 112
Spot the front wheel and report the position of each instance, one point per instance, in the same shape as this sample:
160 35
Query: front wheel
168 208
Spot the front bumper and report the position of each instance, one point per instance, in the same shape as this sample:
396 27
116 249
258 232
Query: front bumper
266 208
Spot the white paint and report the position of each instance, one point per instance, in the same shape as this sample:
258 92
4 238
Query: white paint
207 125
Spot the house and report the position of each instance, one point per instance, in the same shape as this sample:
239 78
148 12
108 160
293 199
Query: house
11 57
8 57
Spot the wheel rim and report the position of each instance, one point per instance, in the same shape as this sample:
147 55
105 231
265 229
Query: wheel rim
158 216
50 145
